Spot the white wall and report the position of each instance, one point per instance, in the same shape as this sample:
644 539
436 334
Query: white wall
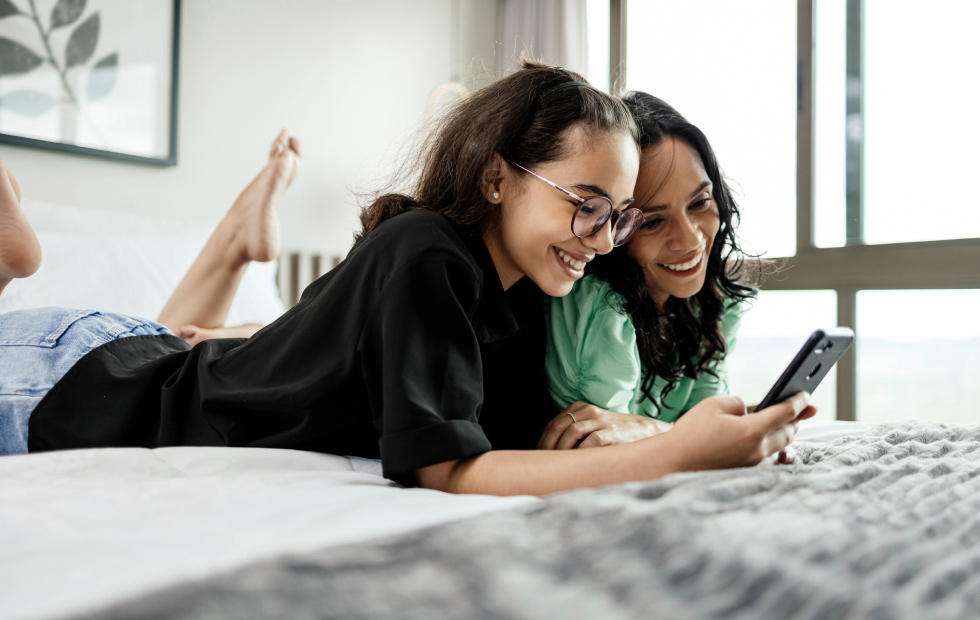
350 77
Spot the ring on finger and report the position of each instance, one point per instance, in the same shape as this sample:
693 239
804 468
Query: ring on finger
572 417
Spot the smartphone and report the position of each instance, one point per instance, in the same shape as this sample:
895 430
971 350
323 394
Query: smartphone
819 354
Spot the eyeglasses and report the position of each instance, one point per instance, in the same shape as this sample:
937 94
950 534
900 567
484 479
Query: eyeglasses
593 212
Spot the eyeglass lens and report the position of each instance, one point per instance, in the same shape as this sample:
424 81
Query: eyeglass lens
593 214
627 224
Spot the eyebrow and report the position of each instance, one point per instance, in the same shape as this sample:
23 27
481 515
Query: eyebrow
595 190
655 208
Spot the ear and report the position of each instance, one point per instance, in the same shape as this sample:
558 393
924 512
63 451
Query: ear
493 179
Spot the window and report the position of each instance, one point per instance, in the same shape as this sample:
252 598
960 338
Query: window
921 133
771 333
830 124
873 193
895 120
730 68
597 26
918 355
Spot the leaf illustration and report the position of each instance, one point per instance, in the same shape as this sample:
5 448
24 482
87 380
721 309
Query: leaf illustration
7 9
82 42
103 77
27 102
15 58
66 12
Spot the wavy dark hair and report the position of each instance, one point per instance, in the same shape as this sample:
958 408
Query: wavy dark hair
683 337
522 117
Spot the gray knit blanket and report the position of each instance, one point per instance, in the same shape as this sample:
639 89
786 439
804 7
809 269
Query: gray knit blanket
881 525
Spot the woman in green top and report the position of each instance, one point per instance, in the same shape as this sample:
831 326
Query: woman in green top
647 330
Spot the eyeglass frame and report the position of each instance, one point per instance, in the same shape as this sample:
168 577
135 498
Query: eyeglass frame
582 201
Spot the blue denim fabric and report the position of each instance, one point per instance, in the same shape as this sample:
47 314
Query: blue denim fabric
38 346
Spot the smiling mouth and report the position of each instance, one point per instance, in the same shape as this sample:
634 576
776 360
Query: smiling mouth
691 264
577 265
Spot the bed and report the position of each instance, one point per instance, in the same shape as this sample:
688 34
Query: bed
879 522
872 522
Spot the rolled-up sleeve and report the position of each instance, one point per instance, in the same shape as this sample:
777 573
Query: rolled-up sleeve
610 364
420 357
592 353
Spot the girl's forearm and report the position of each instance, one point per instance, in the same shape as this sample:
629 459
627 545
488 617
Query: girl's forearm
715 434
539 472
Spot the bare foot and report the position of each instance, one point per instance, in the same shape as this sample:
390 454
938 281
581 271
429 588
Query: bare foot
20 252
249 231
253 218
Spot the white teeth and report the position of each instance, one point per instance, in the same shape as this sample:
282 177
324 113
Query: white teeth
685 266
577 265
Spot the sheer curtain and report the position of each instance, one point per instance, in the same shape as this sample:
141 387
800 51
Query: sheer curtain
553 31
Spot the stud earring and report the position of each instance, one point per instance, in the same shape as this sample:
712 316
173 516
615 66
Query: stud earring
496 195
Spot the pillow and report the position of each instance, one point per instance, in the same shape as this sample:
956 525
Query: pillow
125 263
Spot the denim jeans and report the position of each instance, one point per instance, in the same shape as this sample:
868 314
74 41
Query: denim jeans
37 348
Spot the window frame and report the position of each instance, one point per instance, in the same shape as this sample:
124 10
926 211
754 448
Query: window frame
855 266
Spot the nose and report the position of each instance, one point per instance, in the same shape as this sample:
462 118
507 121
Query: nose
686 234
602 240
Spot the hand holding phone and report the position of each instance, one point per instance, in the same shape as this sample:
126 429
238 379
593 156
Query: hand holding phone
819 354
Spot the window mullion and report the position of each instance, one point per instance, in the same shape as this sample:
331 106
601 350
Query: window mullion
804 126
847 365
854 110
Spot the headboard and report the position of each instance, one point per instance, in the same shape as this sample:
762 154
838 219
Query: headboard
298 269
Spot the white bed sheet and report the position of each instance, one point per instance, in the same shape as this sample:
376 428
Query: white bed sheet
81 529
85 528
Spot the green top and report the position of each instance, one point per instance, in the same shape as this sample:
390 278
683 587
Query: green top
592 356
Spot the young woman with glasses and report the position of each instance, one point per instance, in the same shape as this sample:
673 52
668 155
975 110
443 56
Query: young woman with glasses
425 347
647 330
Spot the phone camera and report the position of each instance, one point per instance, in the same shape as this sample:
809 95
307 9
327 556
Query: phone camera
813 372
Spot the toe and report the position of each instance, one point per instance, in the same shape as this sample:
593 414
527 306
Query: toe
279 143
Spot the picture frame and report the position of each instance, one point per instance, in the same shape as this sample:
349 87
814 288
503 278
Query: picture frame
92 77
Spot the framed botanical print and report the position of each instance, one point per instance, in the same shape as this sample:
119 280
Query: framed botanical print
96 77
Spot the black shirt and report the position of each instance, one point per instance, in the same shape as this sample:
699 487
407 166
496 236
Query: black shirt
409 351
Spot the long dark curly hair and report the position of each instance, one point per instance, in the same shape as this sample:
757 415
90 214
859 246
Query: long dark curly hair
683 337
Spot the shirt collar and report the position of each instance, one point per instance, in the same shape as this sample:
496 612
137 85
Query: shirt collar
493 318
